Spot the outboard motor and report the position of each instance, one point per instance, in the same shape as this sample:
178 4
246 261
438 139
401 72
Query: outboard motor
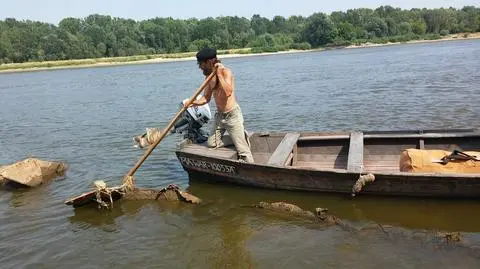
191 122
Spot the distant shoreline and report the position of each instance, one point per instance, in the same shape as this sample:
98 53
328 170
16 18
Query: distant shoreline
452 37
189 56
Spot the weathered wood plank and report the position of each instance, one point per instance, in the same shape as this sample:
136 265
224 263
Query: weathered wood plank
323 137
317 165
199 149
281 153
355 153
295 155
261 157
322 158
381 158
289 160
392 135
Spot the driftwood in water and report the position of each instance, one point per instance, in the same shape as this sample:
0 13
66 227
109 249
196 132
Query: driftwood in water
31 172
105 197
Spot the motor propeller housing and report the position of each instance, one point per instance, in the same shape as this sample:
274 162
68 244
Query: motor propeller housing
191 122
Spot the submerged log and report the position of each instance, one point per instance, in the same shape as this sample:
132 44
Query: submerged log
321 216
286 208
31 172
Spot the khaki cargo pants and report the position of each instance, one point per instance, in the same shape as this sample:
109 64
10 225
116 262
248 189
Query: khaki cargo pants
232 122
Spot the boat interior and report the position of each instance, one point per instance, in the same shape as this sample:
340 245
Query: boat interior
373 151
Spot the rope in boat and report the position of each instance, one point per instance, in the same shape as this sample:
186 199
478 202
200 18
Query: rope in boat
361 182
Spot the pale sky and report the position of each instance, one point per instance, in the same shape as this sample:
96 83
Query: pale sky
53 11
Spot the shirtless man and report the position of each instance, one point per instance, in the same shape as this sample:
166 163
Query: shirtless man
229 116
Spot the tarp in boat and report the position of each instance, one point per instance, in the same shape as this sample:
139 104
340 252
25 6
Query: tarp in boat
439 161
32 172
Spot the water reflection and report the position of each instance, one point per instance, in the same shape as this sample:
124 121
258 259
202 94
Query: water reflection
405 212
90 216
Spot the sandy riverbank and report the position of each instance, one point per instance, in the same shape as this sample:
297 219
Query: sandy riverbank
459 36
155 59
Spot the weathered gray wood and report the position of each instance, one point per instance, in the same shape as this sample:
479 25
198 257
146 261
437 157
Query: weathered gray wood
421 144
295 155
261 157
392 135
323 137
289 159
200 149
355 153
282 152
317 165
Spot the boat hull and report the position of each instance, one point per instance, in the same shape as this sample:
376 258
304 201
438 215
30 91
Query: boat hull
218 170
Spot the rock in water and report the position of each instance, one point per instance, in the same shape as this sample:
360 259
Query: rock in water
31 172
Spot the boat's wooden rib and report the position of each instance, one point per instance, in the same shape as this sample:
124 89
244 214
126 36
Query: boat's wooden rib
282 152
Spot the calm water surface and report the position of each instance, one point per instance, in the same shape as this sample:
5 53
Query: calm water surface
87 118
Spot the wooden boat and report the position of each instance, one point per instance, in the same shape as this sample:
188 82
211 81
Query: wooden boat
334 161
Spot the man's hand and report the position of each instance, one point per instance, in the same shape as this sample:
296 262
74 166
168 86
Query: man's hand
199 102
186 105
220 68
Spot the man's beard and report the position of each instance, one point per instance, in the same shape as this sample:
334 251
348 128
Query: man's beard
207 72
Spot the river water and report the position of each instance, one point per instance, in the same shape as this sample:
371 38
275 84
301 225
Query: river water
87 118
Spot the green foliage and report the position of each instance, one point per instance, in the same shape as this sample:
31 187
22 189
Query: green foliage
346 31
432 36
319 30
418 27
271 43
338 41
301 46
444 32
99 36
404 28
377 27
264 49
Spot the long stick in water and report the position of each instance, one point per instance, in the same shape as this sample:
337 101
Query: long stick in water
170 125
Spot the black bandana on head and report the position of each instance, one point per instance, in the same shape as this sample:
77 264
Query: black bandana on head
205 54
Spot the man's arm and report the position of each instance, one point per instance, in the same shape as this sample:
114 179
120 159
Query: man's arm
225 78
205 98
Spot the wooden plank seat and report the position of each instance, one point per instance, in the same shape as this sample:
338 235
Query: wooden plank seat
355 153
284 150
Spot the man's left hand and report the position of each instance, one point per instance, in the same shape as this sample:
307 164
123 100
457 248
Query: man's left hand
220 67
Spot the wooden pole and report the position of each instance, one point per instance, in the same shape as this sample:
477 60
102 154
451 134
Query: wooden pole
170 125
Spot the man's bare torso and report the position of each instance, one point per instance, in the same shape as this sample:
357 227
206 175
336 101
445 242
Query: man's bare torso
224 102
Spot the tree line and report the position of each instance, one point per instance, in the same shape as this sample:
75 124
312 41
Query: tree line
105 36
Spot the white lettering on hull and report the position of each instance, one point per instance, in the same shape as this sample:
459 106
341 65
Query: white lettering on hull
215 167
